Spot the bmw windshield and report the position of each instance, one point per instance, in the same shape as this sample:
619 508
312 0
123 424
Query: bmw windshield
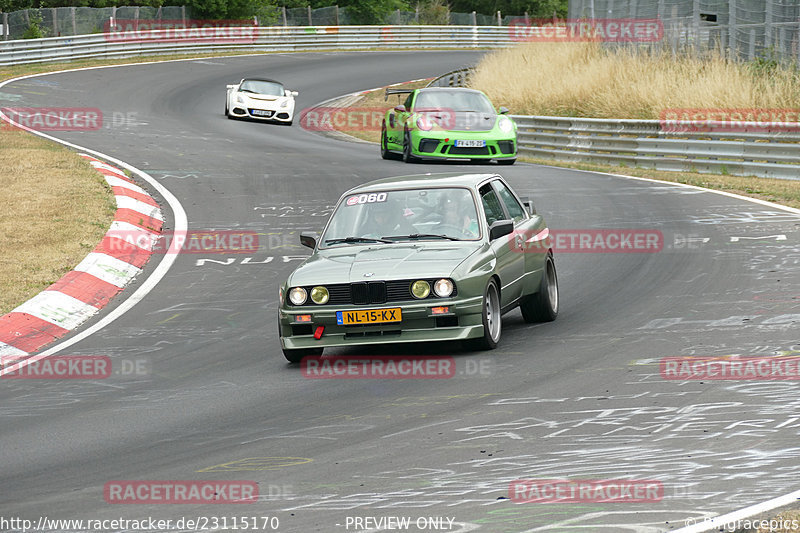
405 215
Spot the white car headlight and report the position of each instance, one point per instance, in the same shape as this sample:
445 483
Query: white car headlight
298 295
443 288
285 103
239 99
505 125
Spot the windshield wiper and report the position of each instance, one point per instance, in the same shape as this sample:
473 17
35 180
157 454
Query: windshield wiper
354 239
415 236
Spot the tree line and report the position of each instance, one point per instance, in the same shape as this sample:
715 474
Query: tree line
361 11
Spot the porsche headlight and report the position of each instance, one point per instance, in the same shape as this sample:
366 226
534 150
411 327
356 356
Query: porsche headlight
239 99
443 288
298 295
420 289
319 295
505 124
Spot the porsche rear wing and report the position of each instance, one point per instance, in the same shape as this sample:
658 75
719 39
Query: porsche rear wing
396 91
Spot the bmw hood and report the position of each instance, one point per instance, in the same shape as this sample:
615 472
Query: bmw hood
347 264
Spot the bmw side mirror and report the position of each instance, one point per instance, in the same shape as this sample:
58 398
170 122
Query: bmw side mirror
500 228
308 240
290 93
231 87
528 203
503 110
400 108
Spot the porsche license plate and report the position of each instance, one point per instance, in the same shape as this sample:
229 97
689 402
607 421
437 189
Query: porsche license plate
368 316
261 113
470 143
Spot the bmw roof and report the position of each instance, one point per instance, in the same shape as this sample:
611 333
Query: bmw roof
450 179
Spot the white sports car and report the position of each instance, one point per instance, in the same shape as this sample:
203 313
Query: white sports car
262 99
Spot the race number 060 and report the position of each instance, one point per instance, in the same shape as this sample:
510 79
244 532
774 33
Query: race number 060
367 198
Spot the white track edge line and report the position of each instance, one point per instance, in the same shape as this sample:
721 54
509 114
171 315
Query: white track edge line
181 224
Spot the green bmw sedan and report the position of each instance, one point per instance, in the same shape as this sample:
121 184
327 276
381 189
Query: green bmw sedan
431 257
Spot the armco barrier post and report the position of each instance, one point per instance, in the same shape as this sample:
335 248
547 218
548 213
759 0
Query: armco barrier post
5 26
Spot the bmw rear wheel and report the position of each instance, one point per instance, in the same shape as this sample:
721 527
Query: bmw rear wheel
543 306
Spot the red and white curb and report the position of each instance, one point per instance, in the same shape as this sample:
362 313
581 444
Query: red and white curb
81 293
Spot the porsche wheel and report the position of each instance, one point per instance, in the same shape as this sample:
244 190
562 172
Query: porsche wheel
492 319
385 153
543 306
407 156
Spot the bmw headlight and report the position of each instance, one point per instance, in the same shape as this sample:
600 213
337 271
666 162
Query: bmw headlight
239 99
285 103
420 289
319 295
443 288
298 295
505 124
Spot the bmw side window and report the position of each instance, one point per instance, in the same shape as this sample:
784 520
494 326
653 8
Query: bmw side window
515 211
491 205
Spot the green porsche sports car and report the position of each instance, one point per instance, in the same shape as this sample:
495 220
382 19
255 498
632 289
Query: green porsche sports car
419 258
448 123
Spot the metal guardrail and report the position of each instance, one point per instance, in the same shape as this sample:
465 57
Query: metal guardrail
456 78
254 38
645 144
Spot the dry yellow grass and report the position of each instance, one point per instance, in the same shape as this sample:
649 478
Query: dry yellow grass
587 80
54 209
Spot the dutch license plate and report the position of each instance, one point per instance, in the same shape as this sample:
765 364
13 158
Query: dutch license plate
368 316
470 143
262 113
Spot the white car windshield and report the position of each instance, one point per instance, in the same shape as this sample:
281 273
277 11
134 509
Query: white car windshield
406 215
453 100
270 88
